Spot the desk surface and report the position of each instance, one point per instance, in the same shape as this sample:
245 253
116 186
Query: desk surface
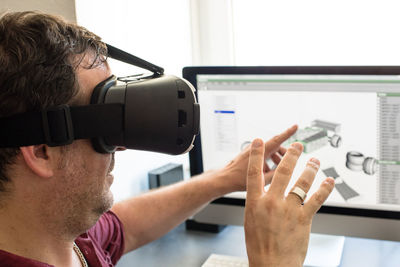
191 249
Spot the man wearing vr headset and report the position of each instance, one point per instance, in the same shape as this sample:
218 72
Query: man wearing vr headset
55 197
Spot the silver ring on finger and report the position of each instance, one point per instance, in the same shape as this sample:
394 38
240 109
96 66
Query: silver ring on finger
300 193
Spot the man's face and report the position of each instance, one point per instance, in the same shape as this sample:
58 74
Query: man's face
85 172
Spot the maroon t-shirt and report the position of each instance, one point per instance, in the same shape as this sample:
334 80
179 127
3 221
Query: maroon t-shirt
102 245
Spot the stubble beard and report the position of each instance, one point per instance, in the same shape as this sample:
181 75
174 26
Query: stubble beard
107 198
79 203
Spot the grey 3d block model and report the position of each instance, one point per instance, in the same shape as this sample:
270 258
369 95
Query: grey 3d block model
335 140
331 172
319 134
312 138
244 145
343 188
346 191
356 161
370 165
329 126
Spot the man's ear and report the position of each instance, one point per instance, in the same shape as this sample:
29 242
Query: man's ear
37 158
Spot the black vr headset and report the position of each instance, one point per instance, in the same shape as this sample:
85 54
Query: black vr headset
155 113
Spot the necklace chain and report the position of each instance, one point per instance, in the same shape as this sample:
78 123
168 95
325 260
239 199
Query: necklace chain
80 255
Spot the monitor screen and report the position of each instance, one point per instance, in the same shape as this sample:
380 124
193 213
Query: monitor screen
347 117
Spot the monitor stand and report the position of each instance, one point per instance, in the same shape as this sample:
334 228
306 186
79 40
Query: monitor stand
324 251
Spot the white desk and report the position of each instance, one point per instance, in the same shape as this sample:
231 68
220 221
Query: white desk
190 249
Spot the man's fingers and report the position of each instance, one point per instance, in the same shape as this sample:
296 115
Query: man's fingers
266 167
255 175
284 171
319 197
282 151
273 145
276 158
305 181
268 177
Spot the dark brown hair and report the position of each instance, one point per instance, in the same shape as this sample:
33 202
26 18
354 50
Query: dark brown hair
39 54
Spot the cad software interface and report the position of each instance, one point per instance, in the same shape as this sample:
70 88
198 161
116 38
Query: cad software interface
351 123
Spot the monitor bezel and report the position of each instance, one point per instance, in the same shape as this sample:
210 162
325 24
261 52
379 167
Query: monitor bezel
195 155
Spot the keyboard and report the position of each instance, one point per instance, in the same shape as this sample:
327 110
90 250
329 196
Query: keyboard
217 260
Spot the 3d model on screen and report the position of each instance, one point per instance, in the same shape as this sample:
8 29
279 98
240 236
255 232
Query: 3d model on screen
244 145
356 161
318 135
341 186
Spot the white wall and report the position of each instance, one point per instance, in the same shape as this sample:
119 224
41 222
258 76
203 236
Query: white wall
316 32
212 32
293 32
157 31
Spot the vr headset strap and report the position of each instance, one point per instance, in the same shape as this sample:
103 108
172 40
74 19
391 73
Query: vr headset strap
61 125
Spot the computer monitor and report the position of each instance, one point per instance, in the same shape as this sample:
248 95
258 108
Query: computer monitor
348 118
